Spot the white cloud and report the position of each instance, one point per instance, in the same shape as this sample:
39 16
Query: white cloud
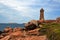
19 5
24 6
57 1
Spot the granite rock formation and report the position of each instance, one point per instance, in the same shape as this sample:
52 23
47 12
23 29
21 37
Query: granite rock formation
21 34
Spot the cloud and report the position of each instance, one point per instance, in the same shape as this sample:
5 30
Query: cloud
18 10
12 15
57 1
18 5
24 5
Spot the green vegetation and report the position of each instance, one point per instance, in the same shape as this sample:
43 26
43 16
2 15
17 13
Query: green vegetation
52 30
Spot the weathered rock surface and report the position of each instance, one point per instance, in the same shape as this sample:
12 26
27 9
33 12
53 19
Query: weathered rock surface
17 29
33 24
8 30
21 35
25 38
30 32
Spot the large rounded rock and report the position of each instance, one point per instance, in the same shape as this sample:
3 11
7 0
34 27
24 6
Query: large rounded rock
17 33
33 24
17 29
8 29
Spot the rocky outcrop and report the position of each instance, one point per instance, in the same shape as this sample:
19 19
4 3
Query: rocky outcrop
9 37
8 30
17 29
33 24
1 32
19 34
33 32
30 32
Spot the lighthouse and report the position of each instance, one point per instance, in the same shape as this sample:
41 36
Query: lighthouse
42 14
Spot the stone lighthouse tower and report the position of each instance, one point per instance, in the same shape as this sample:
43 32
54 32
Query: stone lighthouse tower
42 14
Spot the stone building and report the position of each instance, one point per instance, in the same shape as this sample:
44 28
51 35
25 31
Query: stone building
42 14
58 19
42 19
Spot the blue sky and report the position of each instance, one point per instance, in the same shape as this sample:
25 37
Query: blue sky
21 11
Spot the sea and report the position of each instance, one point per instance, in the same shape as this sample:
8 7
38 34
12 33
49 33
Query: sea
12 25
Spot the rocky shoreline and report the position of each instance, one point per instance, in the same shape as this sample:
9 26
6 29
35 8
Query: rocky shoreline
30 32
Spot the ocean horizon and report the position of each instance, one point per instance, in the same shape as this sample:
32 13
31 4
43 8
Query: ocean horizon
12 25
